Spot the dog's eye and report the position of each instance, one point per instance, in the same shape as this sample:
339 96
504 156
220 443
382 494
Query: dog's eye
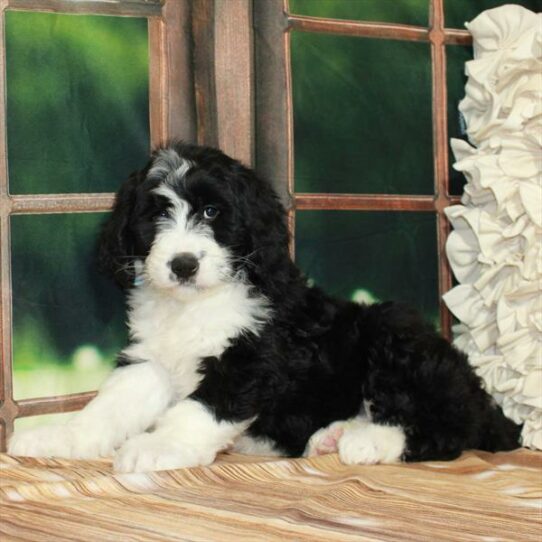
210 212
164 213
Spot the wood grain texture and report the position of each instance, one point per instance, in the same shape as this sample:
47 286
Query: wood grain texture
365 29
234 78
53 405
172 101
203 32
274 149
378 30
453 36
6 378
61 203
363 202
478 497
131 8
440 154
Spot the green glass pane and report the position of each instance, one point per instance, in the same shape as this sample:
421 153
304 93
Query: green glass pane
46 419
77 101
362 115
457 12
68 321
456 56
397 11
371 255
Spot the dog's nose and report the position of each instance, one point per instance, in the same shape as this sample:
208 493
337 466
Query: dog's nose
184 265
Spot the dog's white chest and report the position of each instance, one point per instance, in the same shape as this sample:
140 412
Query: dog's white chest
178 334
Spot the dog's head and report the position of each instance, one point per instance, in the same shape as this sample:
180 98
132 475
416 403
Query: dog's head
193 220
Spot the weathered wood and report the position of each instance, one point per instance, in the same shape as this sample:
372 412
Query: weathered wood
453 36
365 29
54 405
440 153
172 102
274 145
6 378
203 29
234 77
127 8
61 203
363 202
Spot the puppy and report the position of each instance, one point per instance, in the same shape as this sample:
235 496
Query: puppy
229 346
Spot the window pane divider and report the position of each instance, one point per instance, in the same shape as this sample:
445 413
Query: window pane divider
171 115
7 406
126 8
358 28
370 202
274 117
59 203
53 405
440 152
369 29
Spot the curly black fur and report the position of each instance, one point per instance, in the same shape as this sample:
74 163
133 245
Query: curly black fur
319 359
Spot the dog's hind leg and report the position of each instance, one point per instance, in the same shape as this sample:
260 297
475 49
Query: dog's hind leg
365 442
358 441
325 440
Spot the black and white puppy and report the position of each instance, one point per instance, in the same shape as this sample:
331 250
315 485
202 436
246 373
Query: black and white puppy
230 346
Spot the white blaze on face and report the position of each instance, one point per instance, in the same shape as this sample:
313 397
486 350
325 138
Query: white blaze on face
169 166
182 232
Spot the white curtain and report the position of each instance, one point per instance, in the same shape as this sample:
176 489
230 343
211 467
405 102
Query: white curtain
495 249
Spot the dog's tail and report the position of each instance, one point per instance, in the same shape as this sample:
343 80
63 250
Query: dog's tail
499 433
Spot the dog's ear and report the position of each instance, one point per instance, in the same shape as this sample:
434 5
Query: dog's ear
116 243
266 218
266 236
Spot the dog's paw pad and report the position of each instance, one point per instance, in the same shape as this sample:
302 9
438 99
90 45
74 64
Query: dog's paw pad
325 440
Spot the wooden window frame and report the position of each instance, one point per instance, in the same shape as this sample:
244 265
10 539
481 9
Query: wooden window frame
191 47
166 107
219 74
274 117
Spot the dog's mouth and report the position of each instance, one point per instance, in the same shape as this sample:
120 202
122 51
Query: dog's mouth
190 286
185 282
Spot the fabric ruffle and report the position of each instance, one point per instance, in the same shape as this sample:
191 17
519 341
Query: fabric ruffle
495 248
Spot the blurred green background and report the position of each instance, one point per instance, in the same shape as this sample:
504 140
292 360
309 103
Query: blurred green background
77 112
77 121
362 124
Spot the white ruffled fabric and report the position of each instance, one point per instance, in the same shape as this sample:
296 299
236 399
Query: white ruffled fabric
495 249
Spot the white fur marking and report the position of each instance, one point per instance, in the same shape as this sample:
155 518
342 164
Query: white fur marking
129 402
368 443
178 334
181 208
169 166
188 435
177 234
255 446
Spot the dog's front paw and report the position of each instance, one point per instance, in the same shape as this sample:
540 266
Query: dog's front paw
152 452
66 441
372 443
